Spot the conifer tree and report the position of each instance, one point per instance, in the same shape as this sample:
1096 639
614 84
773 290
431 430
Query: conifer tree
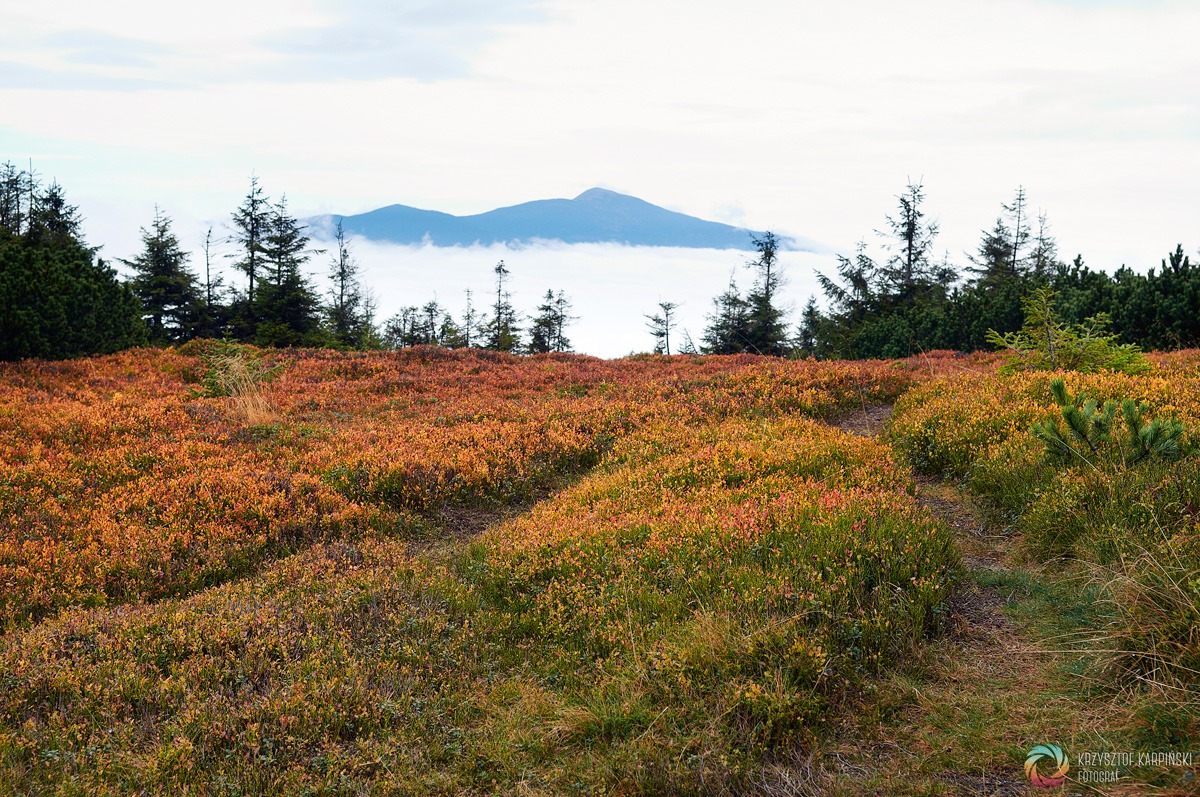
856 295
660 326
541 329
1001 254
501 331
351 310
468 329
910 272
1043 259
450 334
562 319
401 330
57 299
16 194
251 226
1020 228
728 323
170 297
546 332
212 314
807 341
766 332
430 323
52 220
286 310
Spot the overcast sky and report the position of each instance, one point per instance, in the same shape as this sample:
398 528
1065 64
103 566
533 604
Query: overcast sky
802 117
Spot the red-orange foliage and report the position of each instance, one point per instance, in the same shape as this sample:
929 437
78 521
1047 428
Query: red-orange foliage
117 483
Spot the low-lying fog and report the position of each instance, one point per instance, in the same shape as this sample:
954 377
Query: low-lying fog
611 286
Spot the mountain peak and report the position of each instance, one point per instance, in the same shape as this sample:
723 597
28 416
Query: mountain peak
598 215
600 193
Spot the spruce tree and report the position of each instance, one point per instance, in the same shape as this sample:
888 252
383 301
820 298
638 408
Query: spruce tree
469 328
660 326
286 310
910 272
171 300
350 312
546 333
430 324
542 326
728 323
450 334
562 319
251 226
212 315
1043 259
401 330
57 299
501 331
1001 254
810 333
16 193
766 331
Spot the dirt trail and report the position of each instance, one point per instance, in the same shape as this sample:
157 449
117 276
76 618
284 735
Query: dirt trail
981 550
982 647
996 683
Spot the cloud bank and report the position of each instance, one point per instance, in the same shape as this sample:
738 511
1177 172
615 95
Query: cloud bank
613 287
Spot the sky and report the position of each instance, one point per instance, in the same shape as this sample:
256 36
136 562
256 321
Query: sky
807 118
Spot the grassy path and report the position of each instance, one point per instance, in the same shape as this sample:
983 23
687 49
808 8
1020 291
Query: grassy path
960 718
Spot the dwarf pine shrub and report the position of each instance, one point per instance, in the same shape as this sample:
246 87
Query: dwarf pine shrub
1091 434
1045 343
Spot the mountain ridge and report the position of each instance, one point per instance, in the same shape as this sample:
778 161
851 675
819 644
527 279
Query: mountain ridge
597 215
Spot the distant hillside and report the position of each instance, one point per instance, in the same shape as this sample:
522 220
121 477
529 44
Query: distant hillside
595 216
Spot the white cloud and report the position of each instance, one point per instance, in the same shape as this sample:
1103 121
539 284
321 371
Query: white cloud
612 287
808 117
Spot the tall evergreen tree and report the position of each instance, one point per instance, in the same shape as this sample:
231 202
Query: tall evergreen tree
1043 259
170 297
428 325
541 328
660 326
910 271
450 334
728 323
857 293
1001 255
57 299
766 331
351 310
469 328
992 262
53 220
501 331
1019 214
401 330
287 310
16 195
547 331
562 319
251 226
212 314
810 337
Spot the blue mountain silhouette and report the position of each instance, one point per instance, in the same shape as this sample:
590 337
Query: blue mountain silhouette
595 216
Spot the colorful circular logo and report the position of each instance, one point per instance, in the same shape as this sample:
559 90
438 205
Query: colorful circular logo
1053 757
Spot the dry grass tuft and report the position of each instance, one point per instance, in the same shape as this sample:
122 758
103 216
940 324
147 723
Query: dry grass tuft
236 372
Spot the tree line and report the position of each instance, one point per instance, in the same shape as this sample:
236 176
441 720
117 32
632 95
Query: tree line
903 299
58 298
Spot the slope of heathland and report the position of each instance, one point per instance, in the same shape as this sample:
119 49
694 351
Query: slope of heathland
229 570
